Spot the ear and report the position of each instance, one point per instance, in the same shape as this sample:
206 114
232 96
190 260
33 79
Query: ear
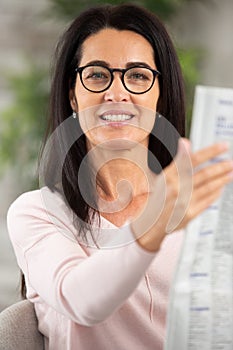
73 101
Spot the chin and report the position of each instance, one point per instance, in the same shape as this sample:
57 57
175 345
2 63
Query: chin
118 144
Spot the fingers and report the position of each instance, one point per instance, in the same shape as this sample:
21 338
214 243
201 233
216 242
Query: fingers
203 204
208 182
197 190
208 153
222 169
180 193
216 184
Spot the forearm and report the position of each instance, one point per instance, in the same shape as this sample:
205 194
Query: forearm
93 296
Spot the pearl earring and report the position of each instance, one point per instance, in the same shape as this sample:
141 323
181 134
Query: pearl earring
74 115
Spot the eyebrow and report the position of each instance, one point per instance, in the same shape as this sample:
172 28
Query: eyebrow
128 64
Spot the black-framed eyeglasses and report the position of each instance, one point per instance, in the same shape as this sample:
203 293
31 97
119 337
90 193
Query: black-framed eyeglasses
136 79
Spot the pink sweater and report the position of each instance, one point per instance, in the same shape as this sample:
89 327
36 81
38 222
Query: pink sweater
85 298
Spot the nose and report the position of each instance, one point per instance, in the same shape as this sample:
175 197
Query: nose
117 92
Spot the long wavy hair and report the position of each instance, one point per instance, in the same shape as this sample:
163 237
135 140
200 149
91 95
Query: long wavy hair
67 57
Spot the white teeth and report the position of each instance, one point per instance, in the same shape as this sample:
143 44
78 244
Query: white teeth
117 117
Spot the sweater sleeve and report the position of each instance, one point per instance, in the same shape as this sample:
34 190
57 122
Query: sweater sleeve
85 288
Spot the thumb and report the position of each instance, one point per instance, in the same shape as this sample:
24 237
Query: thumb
184 147
182 159
183 164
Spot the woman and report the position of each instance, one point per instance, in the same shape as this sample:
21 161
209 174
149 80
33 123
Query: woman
96 254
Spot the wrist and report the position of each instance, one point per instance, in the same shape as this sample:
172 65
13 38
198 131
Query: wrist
150 240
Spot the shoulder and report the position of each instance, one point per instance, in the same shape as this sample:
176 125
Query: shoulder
36 211
44 199
25 200
38 201
25 206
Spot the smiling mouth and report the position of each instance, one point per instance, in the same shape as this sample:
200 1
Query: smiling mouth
116 117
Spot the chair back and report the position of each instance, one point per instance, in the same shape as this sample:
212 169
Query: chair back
19 328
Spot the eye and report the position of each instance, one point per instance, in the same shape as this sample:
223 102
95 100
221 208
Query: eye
95 73
139 74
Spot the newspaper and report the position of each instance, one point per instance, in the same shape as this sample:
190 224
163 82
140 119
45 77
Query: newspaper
200 315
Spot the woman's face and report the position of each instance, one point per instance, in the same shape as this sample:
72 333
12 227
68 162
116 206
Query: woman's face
116 115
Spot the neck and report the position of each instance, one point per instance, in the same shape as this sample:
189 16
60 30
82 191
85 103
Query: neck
119 172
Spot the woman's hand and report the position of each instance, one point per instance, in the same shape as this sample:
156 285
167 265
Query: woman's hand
182 191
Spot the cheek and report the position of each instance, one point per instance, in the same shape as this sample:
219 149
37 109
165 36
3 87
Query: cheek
155 92
150 99
85 98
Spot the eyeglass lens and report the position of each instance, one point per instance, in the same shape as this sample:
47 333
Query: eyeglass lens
136 79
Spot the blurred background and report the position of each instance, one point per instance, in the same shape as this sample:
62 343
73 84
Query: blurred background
202 31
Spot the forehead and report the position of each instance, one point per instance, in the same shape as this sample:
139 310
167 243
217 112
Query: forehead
117 47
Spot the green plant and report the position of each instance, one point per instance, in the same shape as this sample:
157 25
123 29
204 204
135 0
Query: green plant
189 60
23 122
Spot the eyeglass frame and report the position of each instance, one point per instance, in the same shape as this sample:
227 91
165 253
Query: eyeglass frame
122 71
